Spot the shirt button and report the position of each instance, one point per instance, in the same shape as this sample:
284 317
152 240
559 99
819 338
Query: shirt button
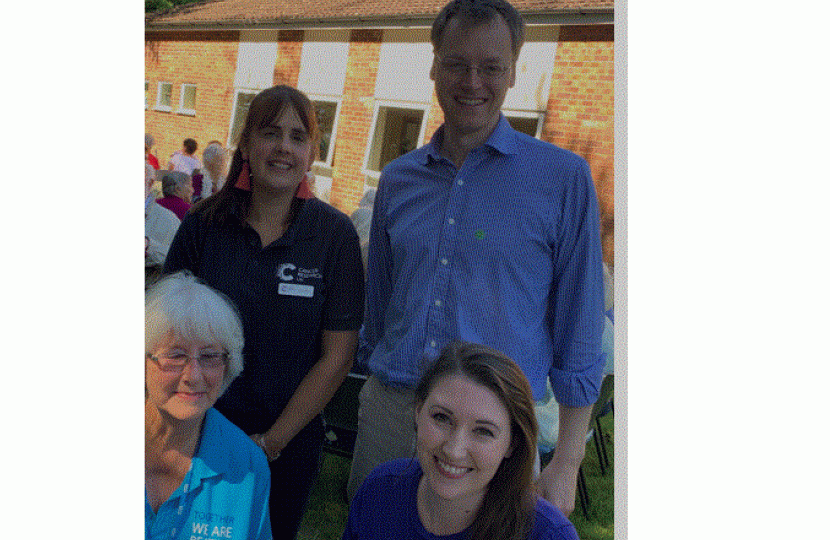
461 182
452 221
432 344
438 303
444 261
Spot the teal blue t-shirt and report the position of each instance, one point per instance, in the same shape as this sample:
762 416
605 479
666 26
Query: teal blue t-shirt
223 495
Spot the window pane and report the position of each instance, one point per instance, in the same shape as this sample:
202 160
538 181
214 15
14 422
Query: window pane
165 92
397 131
525 125
240 114
189 97
325 120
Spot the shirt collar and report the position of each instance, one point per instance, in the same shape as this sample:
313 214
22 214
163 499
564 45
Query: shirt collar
299 229
210 460
502 140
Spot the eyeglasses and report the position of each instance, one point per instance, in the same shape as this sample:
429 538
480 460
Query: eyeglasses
174 361
487 71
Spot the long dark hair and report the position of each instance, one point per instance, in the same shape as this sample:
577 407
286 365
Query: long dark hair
265 107
506 513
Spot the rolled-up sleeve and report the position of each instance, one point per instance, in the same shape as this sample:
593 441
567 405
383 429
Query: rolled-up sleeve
576 300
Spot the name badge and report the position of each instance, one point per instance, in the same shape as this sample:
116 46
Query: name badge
292 289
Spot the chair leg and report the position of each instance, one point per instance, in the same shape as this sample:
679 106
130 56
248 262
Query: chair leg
603 455
582 491
597 443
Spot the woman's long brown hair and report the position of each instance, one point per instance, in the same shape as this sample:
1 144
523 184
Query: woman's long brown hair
265 107
506 513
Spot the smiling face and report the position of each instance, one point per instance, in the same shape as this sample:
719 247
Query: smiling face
463 436
279 153
189 393
471 103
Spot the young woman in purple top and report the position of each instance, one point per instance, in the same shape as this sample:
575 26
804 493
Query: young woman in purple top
474 473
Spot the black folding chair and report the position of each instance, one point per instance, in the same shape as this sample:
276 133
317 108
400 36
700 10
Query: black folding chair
340 416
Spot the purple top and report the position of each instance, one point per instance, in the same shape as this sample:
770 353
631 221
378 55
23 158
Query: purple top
386 506
177 205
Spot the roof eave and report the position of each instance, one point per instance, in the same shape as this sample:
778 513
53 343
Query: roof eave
559 17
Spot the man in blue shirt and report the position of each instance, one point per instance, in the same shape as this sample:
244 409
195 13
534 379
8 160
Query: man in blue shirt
486 235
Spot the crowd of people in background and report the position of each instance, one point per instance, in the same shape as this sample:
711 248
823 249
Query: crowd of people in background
170 192
469 287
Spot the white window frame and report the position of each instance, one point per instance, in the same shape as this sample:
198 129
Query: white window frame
182 109
326 161
159 106
538 115
417 106
231 143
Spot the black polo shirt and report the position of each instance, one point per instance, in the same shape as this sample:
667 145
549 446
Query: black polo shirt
309 280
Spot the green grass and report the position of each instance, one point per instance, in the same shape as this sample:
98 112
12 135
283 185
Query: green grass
325 517
599 524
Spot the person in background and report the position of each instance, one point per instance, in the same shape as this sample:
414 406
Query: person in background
291 263
362 219
474 468
196 182
185 160
486 235
214 168
148 156
160 226
201 473
177 189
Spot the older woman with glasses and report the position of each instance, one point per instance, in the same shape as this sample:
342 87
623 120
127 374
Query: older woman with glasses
204 477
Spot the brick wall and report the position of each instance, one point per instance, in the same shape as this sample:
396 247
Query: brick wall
207 59
581 108
355 119
580 105
290 50
436 118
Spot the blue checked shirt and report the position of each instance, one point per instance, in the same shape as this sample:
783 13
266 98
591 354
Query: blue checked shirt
504 251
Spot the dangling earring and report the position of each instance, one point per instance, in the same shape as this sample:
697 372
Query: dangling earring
243 181
304 189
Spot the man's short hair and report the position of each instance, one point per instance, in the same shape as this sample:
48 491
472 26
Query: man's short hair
480 11
190 145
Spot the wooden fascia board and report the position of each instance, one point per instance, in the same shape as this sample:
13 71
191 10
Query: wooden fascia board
563 17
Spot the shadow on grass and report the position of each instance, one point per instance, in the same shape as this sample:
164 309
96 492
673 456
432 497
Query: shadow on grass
325 517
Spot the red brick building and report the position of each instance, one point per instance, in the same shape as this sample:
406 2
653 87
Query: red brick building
365 64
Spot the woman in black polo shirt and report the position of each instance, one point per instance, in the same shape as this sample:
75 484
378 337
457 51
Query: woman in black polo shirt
292 265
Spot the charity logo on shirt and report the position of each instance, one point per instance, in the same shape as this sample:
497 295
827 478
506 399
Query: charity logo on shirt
210 525
295 280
